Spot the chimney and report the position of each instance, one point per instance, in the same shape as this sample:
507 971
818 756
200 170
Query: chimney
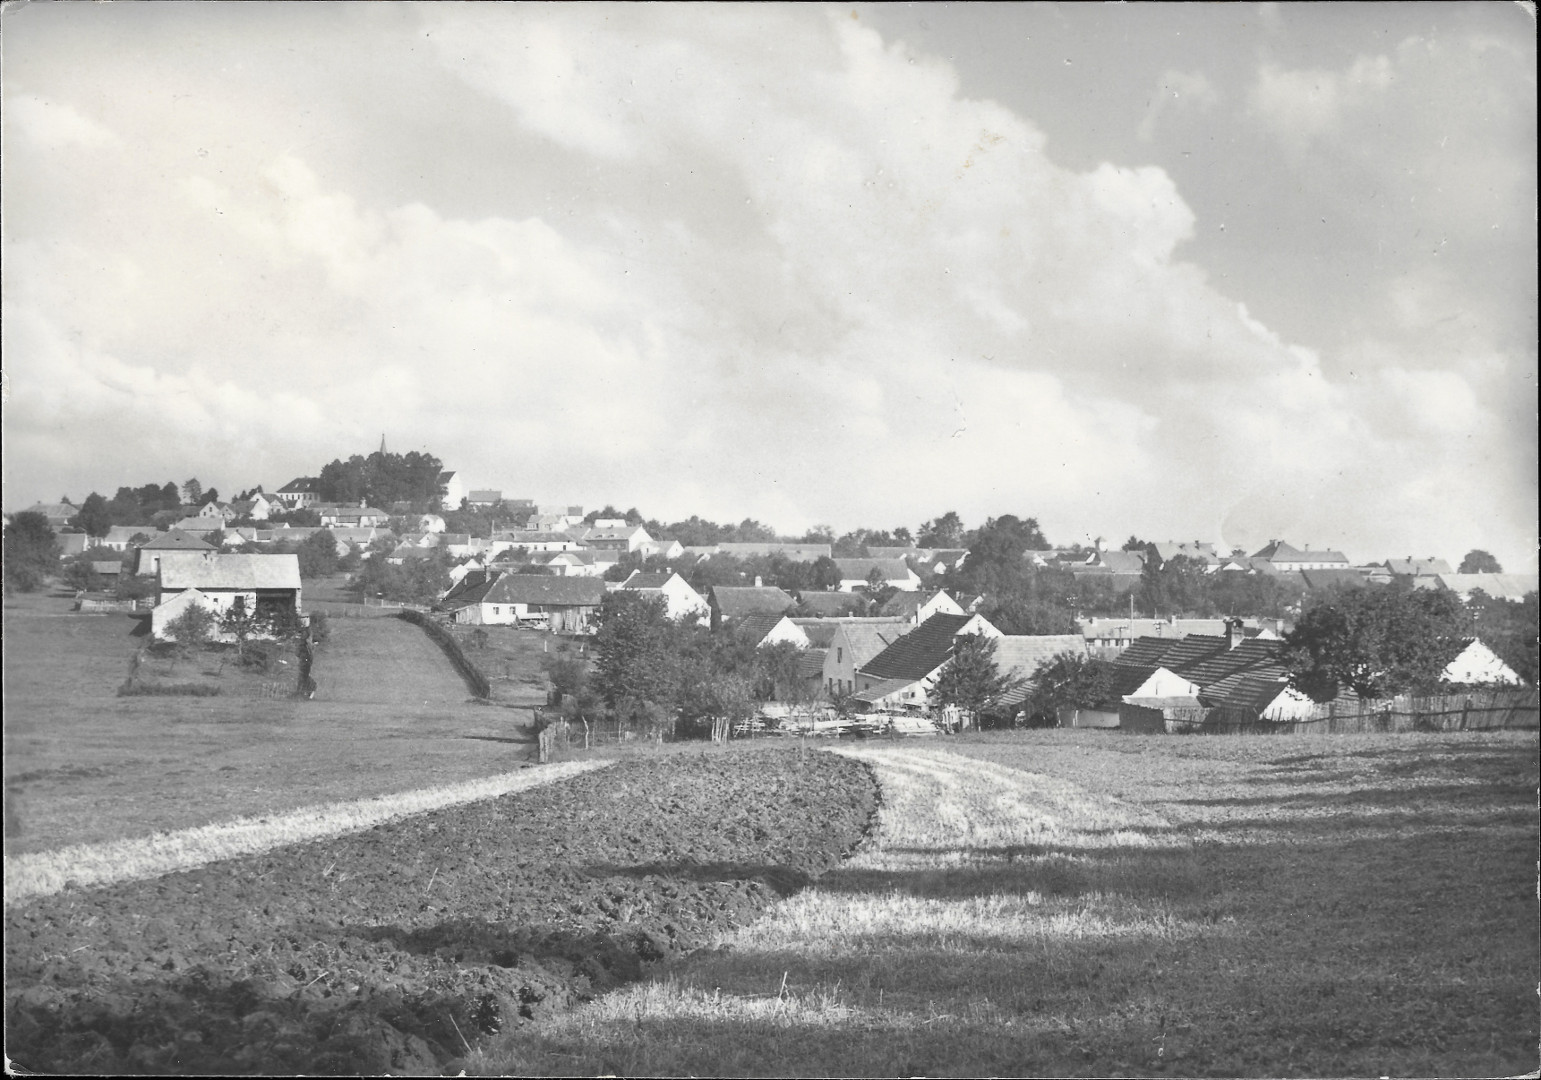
1234 634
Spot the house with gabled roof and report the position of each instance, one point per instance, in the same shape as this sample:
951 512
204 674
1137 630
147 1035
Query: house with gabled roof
1019 656
821 604
565 563
220 583
613 535
766 630
680 600
853 643
59 514
1280 556
1511 587
917 607
492 598
792 552
299 493
731 602
149 553
902 675
484 497
856 574
1318 580
1417 568
1477 665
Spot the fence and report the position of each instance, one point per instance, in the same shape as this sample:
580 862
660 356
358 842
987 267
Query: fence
367 609
1476 710
475 680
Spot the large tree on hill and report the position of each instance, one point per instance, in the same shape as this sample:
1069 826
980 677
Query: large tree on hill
1478 561
972 680
1377 641
94 518
942 532
192 492
383 478
31 553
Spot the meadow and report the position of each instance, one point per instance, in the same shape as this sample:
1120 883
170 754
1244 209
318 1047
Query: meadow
1083 903
84 766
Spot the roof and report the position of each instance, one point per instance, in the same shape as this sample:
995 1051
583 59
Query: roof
881 689
861 569
1418 567
810 664
866 638
757 627
1497 586
918 653
1123 628
1278 551
639 580
208 570
1118 562
819 632
106 566
546 589
534 536
795 552
301 485
177 540
736 601
830 603
1022 654
892 552
484 495
1333 579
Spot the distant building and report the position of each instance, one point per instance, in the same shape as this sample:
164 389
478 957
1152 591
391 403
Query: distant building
299 493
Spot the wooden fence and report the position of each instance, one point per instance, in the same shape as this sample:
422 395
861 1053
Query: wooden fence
1475 710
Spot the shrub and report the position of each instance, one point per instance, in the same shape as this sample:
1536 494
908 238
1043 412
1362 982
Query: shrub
320 628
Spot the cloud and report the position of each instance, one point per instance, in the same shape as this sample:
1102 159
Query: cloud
1302 105
1177 90
55 125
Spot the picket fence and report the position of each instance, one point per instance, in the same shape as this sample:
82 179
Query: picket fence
1476 710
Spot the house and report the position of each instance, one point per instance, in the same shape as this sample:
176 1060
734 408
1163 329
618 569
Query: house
1108 637
856 574
300 493
766 630
614 535
853 643
460 545
833 604
1477 665
264 584
669 549
564 605
1019 656
453 488
917 607
150 552
1280 556
484 497
564 563
59 514
792 552
532 540
940 560
1197 551
1336 578
1511 587
120 537
680 600
731 602
107 568
430 523
1417 568
902 675
907 551
353 517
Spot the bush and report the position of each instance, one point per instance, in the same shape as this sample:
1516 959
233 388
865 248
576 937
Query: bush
320 628
193 627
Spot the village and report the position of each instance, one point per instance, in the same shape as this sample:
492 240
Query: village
871 631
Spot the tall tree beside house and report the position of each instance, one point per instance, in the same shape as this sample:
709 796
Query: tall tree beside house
1134 543
1478 561
1377 641
31 553
945 531
1068 681
972 680
94 518
637 667
317 554
192 492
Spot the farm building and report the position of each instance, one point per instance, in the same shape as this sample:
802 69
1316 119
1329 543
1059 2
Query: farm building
857 573
265 584
565 605
917 607
730 602
831 604
853 643
902 675
766 630
680 600
150 552
1021 655
1511 587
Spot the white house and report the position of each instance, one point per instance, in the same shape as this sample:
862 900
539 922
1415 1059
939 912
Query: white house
855 642
902 675
218 582
681 601
564 604
454 489
855 573
299 493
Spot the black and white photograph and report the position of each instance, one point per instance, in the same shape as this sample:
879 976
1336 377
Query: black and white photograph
770 539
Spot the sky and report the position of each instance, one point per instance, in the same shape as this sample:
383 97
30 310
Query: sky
1193 272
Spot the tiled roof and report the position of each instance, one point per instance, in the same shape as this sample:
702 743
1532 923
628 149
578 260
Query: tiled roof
1418 567
810 665
756 627
207 570
1278 551
860 569
484 495
1497 586
918 653
831 603
1328 579
300 485
795 552
736 601
177 540
546 589
639 580
866 638
1022 654
819 632
892 552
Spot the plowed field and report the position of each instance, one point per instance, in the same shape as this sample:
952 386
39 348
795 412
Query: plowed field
400 948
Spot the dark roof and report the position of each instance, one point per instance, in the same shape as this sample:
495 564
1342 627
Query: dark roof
756 627
810 665
470 589
1329 579
546 589
639 580
301 484
918 653
1279 551
1250 654
177 540
832 603
736 601
820 632
861 569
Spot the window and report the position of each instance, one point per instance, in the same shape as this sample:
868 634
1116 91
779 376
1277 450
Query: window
497 610
839 655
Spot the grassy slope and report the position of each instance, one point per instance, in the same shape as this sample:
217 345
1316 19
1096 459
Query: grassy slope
1089 904
85 766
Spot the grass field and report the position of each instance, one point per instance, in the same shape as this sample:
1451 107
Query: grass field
84 766
1082 903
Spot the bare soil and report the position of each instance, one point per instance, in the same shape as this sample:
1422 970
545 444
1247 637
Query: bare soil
398 949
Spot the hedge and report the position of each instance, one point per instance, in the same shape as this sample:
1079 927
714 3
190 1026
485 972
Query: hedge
477 682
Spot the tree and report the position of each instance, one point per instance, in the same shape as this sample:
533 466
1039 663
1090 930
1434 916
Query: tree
31 553
192 492
170 496
240 622
1134 543
94 518
971 680
1478 561
193 627
318 554
943 532
1379 642
636 662
82 576
1068 681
